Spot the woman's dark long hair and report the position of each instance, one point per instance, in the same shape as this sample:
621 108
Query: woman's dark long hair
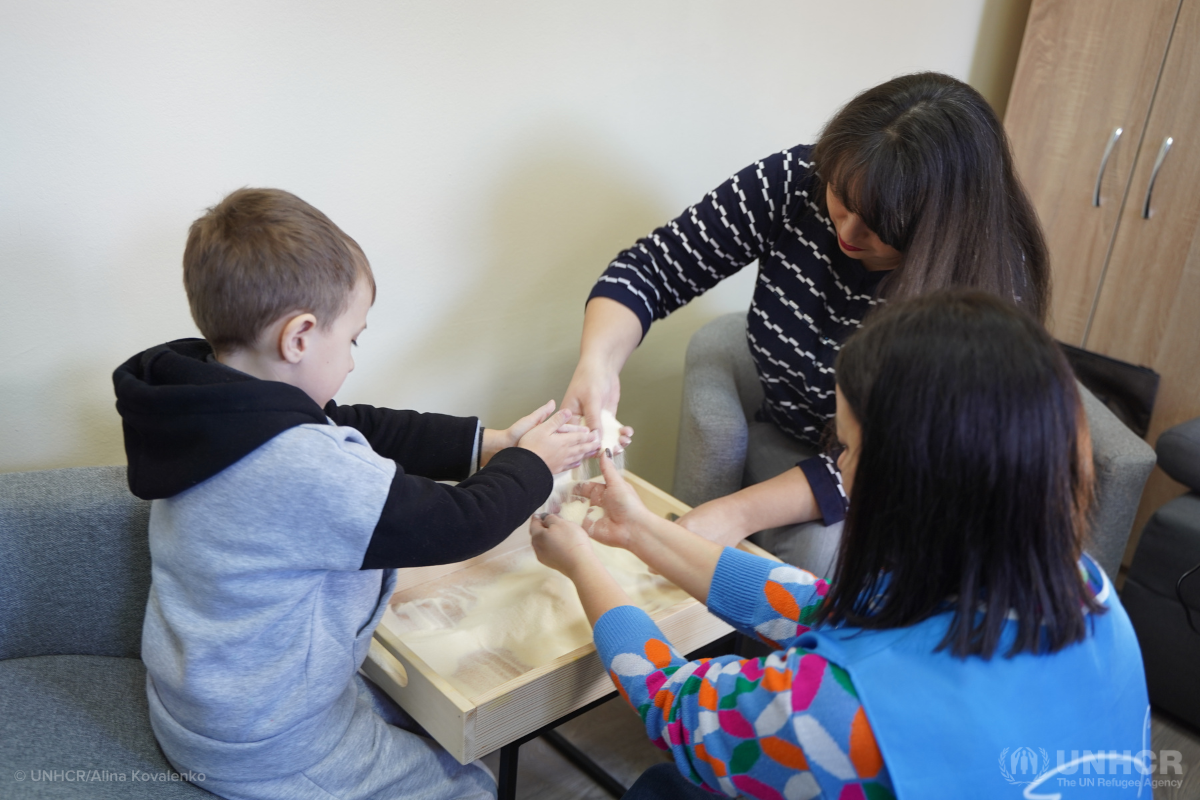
925 162
974 477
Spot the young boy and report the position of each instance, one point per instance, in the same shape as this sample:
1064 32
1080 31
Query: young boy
279 517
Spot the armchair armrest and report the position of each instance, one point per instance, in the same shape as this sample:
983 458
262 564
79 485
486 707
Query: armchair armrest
1123 462
721 392
1179 453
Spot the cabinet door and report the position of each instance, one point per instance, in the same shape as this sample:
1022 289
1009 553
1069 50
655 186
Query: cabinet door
1086 68
1149 305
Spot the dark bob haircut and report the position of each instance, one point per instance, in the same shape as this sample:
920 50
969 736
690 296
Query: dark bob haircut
974 477
925 162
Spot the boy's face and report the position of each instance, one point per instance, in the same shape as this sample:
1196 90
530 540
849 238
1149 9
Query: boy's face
325 366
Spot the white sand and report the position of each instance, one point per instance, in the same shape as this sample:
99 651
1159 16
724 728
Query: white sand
490 625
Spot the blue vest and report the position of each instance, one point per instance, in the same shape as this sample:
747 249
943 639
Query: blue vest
1075 723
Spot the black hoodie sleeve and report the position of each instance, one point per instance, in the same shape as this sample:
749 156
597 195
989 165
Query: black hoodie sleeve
424 523
434 446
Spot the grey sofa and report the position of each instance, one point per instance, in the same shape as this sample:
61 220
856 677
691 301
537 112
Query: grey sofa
721 449
1170 545
74 577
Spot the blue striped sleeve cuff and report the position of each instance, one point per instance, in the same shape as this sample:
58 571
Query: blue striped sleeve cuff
624 629
737 587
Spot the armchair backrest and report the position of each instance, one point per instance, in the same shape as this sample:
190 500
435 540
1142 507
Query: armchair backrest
74 563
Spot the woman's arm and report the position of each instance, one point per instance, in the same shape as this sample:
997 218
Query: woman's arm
756 727
786 499
811 490
729 228
762 598
611 333
789 724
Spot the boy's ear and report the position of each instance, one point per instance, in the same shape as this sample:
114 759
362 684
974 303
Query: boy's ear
294 337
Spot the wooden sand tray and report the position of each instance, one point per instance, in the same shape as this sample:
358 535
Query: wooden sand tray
470 724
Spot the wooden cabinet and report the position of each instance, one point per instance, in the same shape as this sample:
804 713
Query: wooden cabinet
1126 282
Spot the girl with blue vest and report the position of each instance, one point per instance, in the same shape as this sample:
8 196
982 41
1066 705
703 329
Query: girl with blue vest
966 646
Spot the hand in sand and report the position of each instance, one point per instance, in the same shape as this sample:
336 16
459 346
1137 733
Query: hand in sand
559 543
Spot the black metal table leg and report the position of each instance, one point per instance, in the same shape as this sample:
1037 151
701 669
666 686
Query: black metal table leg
584 763
506 782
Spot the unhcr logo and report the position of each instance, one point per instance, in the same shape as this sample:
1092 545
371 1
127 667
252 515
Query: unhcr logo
1023 763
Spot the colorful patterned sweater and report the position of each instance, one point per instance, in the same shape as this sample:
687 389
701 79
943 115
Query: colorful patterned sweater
788 725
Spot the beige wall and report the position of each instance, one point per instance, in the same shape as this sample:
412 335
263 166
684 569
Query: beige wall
490 158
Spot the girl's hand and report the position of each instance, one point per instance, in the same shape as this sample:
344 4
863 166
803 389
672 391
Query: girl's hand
561 445
625 516
560 544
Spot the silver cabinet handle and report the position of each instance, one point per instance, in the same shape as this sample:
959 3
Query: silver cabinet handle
1158 162
1112 142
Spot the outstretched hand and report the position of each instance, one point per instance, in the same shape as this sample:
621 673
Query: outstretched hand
557 442
528 422
559 543
625 516
592 389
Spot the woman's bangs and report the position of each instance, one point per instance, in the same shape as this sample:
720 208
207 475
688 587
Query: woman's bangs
877 190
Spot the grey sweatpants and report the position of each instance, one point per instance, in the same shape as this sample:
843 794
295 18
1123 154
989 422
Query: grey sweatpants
379 758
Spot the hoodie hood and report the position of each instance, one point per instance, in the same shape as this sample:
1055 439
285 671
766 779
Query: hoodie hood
186 417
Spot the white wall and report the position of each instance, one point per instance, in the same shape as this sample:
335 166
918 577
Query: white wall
490 157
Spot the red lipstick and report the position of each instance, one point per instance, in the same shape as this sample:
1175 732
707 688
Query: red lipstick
849 247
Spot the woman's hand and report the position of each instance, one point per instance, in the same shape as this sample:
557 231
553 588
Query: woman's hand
595 388
560 544
722 521
625 516
610 333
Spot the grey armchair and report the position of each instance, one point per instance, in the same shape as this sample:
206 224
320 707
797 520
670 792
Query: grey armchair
721 449
74 578
1170 545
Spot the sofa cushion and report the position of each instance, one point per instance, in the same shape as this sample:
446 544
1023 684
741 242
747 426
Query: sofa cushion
85 717
74 563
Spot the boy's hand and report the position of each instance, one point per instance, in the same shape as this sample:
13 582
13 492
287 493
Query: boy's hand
560 544
496 440
561 445
625 516
528 422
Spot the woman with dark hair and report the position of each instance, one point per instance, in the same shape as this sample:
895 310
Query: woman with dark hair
965 644
909 188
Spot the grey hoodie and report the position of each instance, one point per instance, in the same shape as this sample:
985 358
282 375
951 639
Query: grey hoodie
270 573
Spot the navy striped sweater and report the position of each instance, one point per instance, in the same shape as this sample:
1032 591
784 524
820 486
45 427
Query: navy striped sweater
809 296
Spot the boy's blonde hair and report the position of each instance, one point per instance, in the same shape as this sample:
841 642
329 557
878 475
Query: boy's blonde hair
260 254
